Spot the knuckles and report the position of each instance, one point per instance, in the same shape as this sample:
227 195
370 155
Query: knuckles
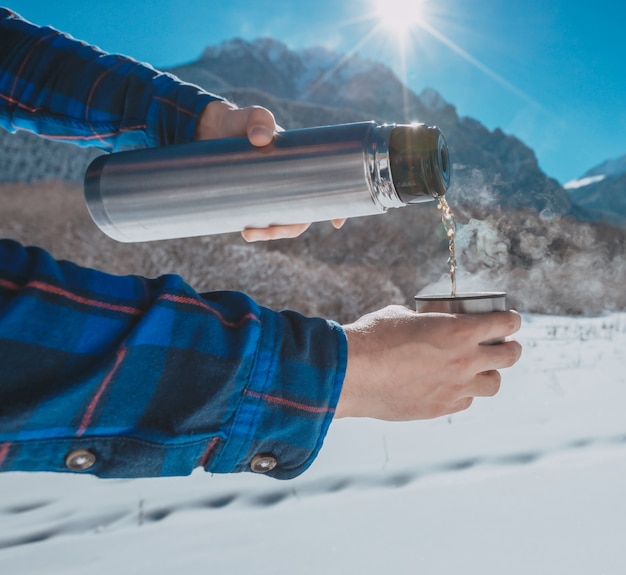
513 352
514 322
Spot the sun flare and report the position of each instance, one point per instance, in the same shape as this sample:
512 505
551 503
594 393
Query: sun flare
399 16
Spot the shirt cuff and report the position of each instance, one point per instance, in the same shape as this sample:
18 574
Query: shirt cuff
174 109
285 410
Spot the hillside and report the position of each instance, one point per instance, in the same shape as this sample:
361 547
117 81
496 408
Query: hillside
518 229
556 266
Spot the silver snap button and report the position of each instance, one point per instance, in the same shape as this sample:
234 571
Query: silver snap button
80 459
263 463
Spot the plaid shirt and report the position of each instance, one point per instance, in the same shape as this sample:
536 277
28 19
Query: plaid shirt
128 376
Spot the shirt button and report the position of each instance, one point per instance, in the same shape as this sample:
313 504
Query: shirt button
262 463
80 459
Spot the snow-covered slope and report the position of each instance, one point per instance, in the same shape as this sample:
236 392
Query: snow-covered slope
614 168
603 190
530 481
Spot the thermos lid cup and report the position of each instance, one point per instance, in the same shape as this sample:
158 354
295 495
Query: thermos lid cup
475 302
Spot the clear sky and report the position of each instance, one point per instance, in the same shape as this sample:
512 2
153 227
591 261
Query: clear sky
551 72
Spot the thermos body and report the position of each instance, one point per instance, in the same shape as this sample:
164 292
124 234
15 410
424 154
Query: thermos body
308 175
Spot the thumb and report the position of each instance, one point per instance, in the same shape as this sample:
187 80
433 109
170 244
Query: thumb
224 120
260 125
255 122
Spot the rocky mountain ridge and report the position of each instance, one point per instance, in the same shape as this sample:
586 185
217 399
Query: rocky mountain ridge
317 87
545 263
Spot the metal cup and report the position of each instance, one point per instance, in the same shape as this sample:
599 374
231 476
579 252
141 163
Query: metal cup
476 302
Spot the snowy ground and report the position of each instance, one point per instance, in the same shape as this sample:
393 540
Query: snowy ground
531 481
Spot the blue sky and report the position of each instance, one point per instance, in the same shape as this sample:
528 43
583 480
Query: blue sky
551 72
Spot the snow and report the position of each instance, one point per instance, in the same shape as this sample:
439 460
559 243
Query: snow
575 184
610 169
530 481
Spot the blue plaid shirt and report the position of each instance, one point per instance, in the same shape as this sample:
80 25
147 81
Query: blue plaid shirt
128 376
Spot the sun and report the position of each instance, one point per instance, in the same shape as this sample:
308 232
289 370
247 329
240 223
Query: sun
399 16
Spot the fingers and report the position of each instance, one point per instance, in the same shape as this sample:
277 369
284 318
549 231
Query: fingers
461 405
486 384
495 325
273 232
280 232
499 356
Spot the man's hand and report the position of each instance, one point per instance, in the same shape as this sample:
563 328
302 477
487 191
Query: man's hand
224 120
404 365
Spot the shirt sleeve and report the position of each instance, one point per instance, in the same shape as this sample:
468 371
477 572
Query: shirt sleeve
149 378
128 376
66 90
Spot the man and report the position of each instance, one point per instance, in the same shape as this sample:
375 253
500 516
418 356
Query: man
128 376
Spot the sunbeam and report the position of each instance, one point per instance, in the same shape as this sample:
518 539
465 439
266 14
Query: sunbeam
403 22
424 25
399 31
344 58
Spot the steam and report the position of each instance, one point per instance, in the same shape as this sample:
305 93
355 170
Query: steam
551 265
554 267
473 190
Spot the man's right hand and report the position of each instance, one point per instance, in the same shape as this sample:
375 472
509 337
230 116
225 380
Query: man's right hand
404 365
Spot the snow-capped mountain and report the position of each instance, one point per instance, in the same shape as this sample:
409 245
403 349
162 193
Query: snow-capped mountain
613 168
603 190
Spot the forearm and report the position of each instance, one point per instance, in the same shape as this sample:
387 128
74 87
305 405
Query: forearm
66 90
153 378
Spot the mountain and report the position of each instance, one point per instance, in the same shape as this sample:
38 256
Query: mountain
602 191
315 87
610 168
546 264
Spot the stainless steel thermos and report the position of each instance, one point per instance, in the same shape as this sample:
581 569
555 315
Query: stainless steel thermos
307 175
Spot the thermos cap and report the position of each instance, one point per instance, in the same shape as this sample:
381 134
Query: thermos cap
419 162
